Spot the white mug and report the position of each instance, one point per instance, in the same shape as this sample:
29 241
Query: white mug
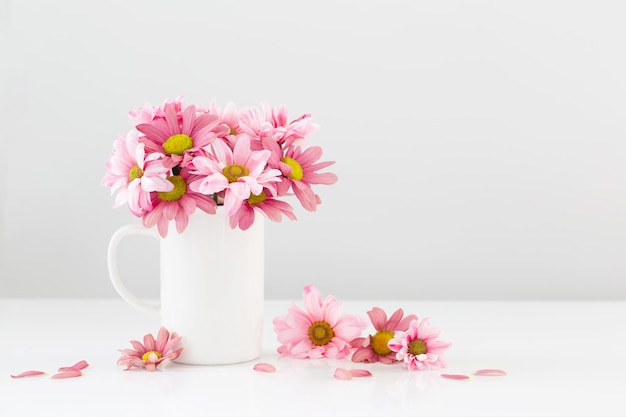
212 282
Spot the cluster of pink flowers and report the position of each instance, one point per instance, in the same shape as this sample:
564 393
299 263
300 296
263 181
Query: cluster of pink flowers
321 330
179 158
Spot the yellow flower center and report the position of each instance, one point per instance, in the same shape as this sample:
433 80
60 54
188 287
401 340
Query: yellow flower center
234 171
146 356
417 347
255 199
134 173
380 342
180 188
296 168
232 131
321 333
177 144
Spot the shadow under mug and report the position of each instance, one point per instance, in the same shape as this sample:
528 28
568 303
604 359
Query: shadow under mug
212 282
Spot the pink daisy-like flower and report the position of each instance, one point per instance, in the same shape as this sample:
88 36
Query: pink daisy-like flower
134 174
419 347
275 125
240 172
152 352
177 204
320 331
148 112
374 348
180 138
299 169
272 208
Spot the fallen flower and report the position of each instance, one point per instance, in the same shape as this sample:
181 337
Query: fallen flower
419 347
321 330
374 348
28 373
344 374
70 373
490 372
455 376
79 366
264 367
152 352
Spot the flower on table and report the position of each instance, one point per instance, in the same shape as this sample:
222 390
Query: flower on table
321 330
419 347
152 352
374 348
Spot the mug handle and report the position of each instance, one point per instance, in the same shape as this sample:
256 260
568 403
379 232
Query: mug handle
130 298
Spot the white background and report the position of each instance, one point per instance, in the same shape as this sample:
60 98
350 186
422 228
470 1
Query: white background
480 145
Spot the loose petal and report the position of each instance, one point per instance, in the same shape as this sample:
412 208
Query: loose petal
341 373
78 366
71 373
490 372
360 372
455 376
264 367
28 373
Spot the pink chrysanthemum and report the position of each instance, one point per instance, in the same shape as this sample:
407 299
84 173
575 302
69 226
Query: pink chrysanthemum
299 168
240 173
320 331
275 125
270 207
135 174
177 204
374 348
180 138
148 112
152 352
419 347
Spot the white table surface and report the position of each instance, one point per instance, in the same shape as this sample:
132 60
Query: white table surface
562 359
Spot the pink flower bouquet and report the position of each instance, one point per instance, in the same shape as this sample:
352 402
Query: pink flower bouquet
180 158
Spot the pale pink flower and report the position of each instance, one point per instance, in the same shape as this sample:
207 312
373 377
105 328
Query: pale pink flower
240 172
299 168
134 174
419 347
180 138
319 331
177 204
374 348
275 125
272 208
148 112
228 116
152 352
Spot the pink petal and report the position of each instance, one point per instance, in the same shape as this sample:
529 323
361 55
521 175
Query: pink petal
378 318
341 373
28 373
455 376
264 367
77 366
71 373
490 372
359 372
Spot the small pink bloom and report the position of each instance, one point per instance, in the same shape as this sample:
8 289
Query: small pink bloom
341 373
272 208
319 331
177 205
180 138
70 373
152 352
455 376
134 174
264 367
28 373
419 347
375 347
490 372
78 366
241 172
276 126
